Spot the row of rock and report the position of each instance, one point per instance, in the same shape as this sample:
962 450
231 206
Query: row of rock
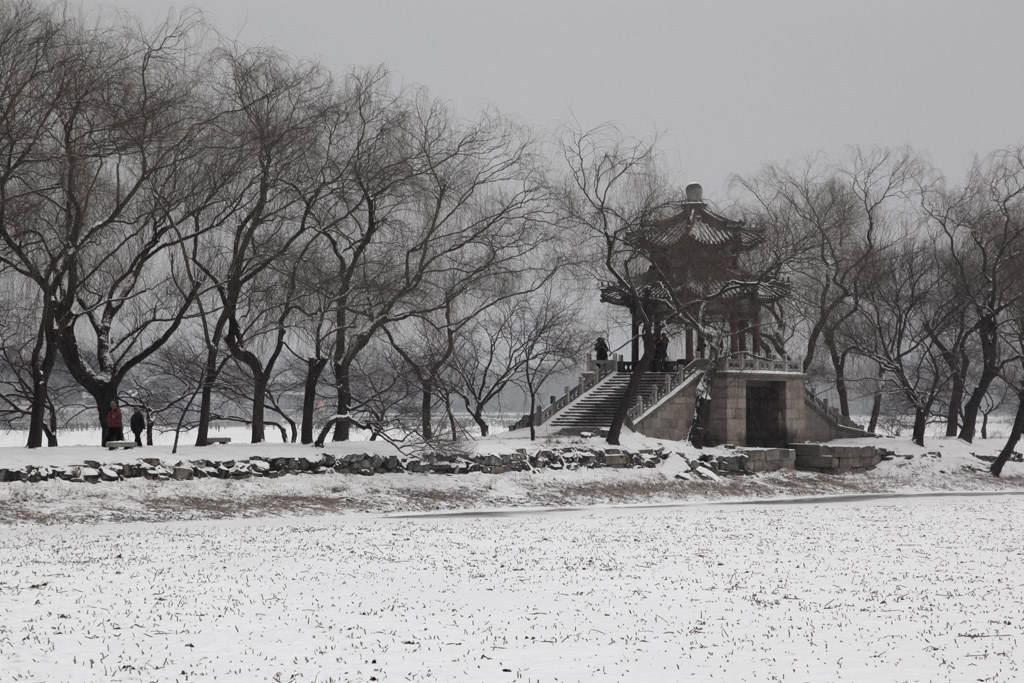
354 463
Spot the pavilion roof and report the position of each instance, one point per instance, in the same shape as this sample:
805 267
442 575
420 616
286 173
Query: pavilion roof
761 292
693 221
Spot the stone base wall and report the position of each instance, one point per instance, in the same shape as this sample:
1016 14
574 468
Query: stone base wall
769 459
672 418
816 457
728 421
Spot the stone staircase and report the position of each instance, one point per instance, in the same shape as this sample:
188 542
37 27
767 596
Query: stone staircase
595 409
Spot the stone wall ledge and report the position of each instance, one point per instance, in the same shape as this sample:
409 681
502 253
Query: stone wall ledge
829 459
560 457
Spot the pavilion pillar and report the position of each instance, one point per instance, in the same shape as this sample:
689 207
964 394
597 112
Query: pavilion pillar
734 345
689 345
742 333
757 331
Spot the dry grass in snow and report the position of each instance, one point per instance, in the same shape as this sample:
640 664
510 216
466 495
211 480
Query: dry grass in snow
918 590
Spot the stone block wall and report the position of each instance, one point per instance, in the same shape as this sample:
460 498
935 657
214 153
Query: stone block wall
728 419
671 420
817 457
769 459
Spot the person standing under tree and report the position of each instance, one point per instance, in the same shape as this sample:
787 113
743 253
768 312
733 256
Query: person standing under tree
661 353
601 349
138 424
115 423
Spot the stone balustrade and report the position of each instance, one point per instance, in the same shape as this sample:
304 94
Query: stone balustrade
752 364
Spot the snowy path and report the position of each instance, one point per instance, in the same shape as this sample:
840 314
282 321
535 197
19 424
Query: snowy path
882 590
647 507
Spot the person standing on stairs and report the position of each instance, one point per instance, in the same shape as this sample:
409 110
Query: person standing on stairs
660 353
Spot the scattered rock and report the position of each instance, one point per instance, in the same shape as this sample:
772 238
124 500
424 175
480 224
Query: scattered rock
183 471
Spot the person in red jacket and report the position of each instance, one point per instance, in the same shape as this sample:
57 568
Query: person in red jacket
115 423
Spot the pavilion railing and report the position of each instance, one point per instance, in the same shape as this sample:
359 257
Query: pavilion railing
744 363
678 376
597 371
823 406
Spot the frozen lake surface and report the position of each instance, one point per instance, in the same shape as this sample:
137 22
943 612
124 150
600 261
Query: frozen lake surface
927 589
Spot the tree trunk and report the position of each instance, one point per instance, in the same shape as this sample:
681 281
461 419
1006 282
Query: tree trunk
206 397
37 417
149 424
344 391
839 365
622 411
259 401
104 394
478 418
533 404
453 424
324 432
973 405
51 429
988 332
44 353
876 402
426 400
280 427
314 367
341 364
1011 442
702 404
102 388
956 397
51 437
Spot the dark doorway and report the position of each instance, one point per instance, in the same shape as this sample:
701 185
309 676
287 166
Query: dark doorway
766 414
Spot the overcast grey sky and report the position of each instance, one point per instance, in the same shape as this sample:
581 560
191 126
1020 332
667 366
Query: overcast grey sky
729 84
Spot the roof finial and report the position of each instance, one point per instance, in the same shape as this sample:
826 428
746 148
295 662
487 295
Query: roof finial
694 192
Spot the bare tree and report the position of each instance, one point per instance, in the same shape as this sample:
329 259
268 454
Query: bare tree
824 222
899 319
114 134
434 199
37 50
271 112
614 187
983 229
550 339
496 349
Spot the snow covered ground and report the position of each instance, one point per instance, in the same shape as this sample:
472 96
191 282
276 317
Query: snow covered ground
919 590
328 577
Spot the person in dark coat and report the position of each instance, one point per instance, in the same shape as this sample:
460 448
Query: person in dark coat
601 349
115 423
138 424
661 353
